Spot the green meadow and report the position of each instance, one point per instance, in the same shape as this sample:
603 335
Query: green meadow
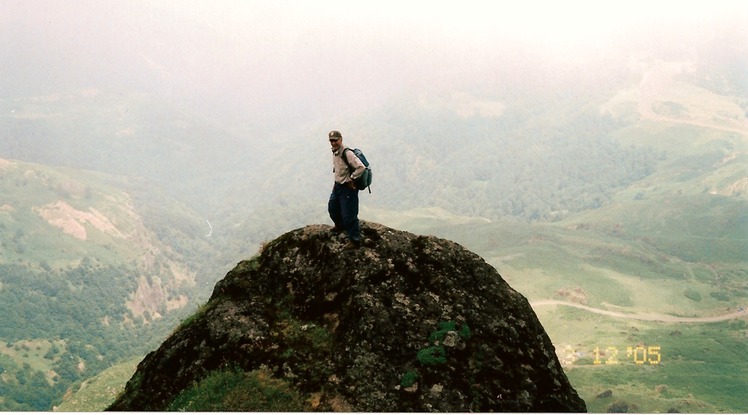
621 260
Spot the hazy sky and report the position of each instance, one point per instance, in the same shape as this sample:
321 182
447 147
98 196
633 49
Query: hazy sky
312 57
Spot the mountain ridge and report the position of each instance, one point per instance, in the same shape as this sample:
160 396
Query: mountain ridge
85 279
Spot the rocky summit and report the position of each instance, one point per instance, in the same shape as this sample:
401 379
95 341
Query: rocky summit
405 323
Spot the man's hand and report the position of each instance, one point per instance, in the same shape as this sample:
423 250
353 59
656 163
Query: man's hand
351 185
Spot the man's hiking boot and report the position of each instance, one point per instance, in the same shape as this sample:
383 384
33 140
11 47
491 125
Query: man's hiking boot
352 245
336 231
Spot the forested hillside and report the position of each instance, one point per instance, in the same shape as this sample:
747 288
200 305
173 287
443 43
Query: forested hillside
84 282
169 148
492 167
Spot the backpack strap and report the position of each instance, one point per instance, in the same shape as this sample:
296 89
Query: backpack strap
345 159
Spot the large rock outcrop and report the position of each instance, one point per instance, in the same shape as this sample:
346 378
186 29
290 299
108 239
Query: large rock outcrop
406 323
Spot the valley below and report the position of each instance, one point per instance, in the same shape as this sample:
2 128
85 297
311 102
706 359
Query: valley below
610 189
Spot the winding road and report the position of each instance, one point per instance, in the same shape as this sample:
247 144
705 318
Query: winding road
664 318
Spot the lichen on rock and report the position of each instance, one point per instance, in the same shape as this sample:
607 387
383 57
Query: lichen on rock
406 323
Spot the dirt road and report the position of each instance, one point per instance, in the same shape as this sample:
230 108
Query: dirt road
664 318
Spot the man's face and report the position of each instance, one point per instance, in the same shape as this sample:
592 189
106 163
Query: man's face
335 143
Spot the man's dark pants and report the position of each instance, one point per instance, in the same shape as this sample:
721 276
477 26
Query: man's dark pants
343 209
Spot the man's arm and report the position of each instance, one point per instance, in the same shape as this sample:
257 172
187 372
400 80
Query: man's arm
355 163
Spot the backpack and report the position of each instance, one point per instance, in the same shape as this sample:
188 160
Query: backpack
363 181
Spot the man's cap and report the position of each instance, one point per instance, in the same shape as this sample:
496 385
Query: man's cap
335 134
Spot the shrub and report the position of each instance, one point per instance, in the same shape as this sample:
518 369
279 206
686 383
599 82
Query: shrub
720 296
436 354
618 407
234 390
432 355
409 378
447 326
692 294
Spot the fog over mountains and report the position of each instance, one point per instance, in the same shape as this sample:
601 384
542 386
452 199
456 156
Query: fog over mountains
266 63
232 82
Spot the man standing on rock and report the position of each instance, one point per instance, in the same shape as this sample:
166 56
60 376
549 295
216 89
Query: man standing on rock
343 203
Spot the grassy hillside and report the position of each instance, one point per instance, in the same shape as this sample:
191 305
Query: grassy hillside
98 392
128 134
659 268
600 268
